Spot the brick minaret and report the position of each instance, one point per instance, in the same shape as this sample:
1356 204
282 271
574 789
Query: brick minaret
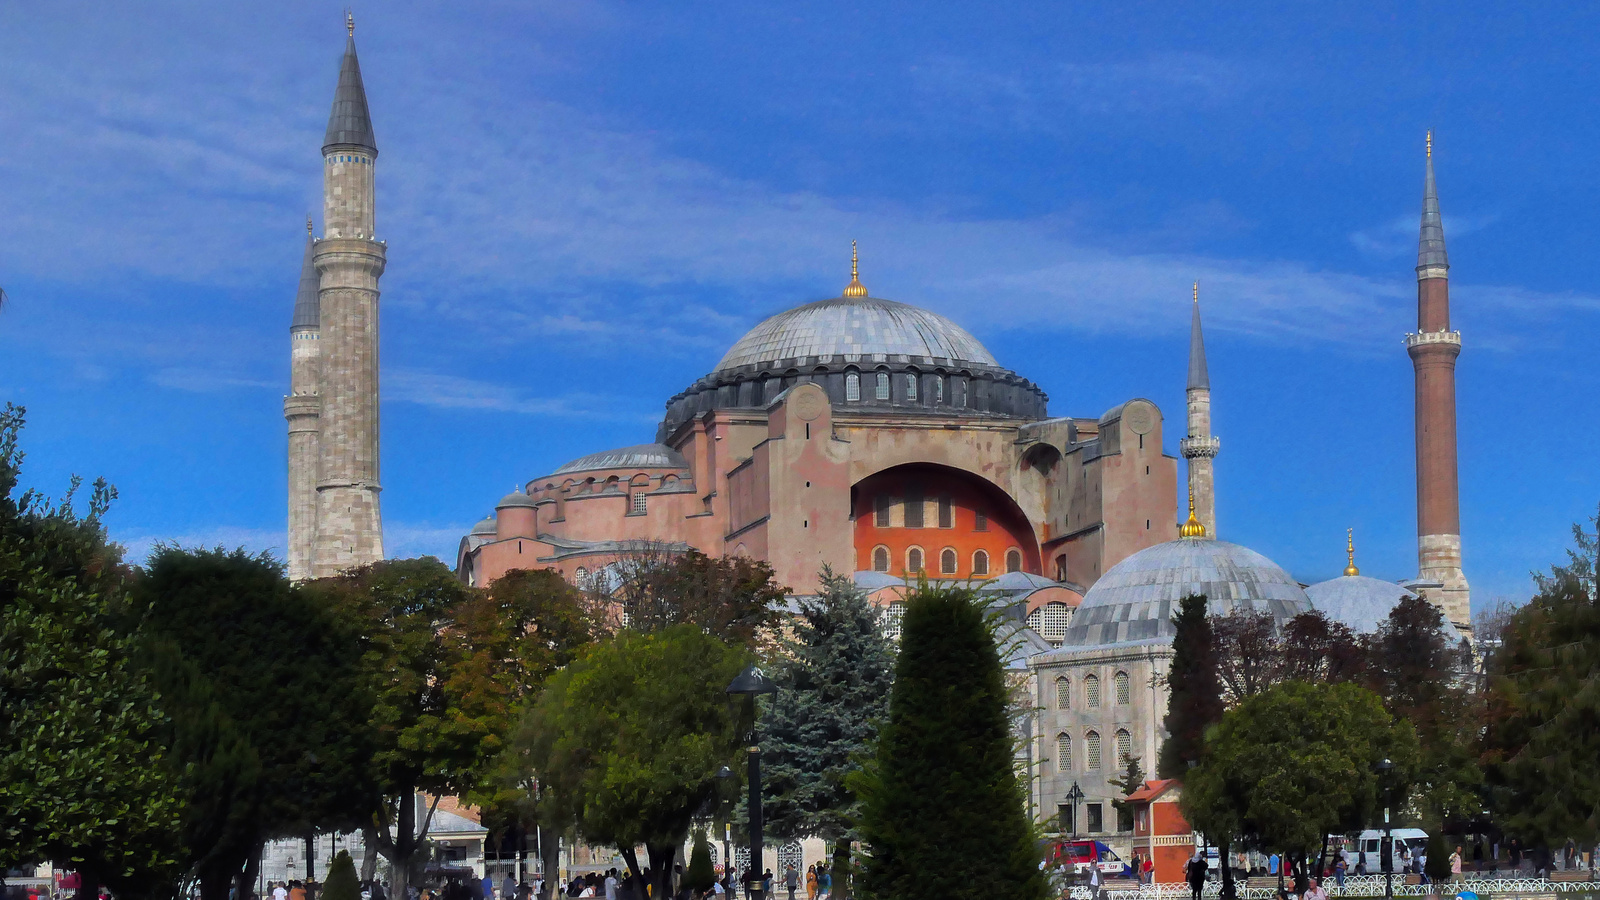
349 261
303 409
1433 349
1200 447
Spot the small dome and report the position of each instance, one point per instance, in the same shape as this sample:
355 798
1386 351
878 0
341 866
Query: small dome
1362 603
639 456
515 498
1136 599
484 527
855 327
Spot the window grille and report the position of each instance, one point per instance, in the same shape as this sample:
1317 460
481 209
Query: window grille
1124 689
1092 740
911 386
913 508
790 855
883 386
1063 753
891 616
1053 618
914 560
947 561
1013 560
1124 747
938 389
852 387
880 559
980 563
1063 693
1091 691
640 502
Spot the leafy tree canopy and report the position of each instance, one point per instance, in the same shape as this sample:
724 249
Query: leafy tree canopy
652 588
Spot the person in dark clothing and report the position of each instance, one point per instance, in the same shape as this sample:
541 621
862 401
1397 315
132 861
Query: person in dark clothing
1195 873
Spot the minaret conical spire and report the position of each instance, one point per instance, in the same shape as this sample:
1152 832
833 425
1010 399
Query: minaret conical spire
306 304
1430 245
1199 378
349 124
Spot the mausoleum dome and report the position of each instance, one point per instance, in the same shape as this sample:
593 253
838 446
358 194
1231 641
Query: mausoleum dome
855 329
1135 600
1362 603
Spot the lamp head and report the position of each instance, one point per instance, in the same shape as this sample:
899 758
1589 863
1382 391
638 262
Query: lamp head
751 681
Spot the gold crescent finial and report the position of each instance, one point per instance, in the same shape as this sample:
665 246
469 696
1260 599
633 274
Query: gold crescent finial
1430 143
308 226
1191 528
855 288
1197 292
1350 550
350 22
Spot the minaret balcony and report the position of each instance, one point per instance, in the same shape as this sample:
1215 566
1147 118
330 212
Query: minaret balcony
1433 337
1193 447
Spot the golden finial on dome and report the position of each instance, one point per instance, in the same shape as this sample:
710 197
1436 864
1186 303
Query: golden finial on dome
1197 292
855 288
1191 528
1350 549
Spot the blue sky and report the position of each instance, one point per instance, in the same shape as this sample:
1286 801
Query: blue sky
585 203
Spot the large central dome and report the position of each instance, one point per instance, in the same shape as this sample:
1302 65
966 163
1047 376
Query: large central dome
855 328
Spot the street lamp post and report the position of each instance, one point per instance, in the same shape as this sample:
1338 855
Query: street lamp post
750 683
1384 767
723 774
1074 796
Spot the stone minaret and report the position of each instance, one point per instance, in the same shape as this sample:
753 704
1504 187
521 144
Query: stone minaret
1433 349
303 409
349 261
1200 448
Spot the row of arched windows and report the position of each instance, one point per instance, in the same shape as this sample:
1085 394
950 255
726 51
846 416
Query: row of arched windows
1091 750
949 560
1121 684
882 387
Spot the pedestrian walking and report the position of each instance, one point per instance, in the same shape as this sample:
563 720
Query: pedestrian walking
1338 871
811 882
1455 864
1148 867
1096 881
1195 873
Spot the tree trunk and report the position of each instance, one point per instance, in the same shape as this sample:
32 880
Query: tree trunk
400 858
1228 891
841 869
245 883
1300 882
216 878
369 855
1322 858
550 860
89 885
662 858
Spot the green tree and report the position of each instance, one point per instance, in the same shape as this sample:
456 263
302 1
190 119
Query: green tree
405 609
833 674
1195 689
85 778
341 883
264 687
942 808
1295 763
1131 780
701 873
1422 677
656 587
628 739
1543 706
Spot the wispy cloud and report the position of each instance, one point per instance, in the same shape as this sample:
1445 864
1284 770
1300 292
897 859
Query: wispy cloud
404 385
139 546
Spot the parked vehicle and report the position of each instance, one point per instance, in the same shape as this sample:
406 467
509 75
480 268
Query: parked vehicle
1369 847
1078 856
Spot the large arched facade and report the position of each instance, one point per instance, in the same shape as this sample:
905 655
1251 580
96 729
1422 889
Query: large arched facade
922 518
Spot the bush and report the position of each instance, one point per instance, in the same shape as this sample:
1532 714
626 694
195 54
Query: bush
342 883
701 873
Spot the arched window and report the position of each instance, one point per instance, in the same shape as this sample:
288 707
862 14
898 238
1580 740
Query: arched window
880 559
980 563
881 505
852 387
892 614
883 385
1053 618
1091 691
1063 753
914 560
947 561
1124 688
911 386
1124 747
1063 693
580 575
938 389
1061 568
1013 560
1092 745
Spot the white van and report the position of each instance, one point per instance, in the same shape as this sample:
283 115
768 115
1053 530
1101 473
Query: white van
1370 847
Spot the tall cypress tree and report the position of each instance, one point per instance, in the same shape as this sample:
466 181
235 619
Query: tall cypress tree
1195 698
833 694
942 807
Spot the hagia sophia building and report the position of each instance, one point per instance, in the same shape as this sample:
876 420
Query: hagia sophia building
881 439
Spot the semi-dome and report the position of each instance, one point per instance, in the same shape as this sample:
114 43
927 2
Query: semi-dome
855 328
639 456
1135 600
515 498
1362 603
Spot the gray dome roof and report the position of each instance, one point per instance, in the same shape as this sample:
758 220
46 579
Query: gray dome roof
486 526
855 327
1362 603
1136 599
639 456
515 498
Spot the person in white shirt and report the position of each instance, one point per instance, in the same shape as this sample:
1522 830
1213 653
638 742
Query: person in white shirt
279 893
611 885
